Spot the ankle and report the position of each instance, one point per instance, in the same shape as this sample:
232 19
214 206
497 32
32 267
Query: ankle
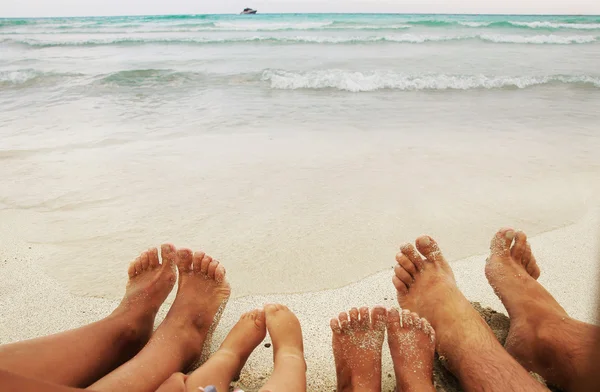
415 382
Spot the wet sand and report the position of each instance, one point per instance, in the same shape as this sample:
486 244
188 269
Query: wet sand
35 304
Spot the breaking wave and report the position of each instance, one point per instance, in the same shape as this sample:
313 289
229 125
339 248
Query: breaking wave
372 81
401 38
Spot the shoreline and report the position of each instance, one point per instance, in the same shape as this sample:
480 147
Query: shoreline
566 255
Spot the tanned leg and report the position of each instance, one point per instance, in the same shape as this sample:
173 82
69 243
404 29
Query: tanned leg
412 346
81 356
357 340
542 336
427 287
226 364
289 373
202 293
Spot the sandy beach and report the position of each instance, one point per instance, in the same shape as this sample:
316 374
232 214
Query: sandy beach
35 304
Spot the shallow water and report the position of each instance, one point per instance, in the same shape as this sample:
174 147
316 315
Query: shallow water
298 149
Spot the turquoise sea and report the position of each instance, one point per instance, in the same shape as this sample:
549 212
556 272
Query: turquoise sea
257 136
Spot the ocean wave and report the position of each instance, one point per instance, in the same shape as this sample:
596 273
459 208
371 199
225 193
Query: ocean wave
285 80
269 26
556 25
29 77
372 81
538 39
403 38
148 78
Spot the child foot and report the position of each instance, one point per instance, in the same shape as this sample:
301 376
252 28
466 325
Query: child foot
412 346
357 340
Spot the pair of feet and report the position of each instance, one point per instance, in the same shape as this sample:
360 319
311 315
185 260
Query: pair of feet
286 335
357 342
425 283
202 294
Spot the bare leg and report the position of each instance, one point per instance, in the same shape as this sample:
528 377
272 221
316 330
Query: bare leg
175 383
357 341
202 292
542 336
11 382
83 355
289 374
412 345
474 355
226 364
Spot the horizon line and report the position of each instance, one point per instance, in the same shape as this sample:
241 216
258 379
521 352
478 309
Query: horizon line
291 13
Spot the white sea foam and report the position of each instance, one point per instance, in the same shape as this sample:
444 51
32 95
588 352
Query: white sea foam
554 25
313 39
474 24
538 39
377 80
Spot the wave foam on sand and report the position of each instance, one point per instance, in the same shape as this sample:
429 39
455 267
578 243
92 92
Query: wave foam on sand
567 257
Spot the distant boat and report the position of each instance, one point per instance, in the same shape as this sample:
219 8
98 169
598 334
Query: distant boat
248 11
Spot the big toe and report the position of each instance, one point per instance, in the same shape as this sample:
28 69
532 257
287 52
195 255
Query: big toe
393 321
378 318
184 260
168 254
430 249
500 245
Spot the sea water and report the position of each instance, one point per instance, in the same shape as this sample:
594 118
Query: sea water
299 149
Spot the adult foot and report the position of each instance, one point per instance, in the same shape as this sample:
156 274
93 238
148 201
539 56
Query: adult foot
249 331
427 287
150 282
357 340
537 321
412 346
202 294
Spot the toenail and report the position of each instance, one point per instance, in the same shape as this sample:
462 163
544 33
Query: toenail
509 235
425 241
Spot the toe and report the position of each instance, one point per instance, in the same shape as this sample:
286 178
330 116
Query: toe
144 260
260 318
400 286
334 324
408 265
405 318
530 263
425 326
212 268
353 318
206 260
270 309
393 320
197 261
430 249
184 260
220 273
518 249
403 275
365 321
416 320
378 317
131 269
411 253
153 257
168 255
500 245
344 323
137 265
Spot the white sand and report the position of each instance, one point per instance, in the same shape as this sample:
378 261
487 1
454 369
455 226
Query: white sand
33 304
